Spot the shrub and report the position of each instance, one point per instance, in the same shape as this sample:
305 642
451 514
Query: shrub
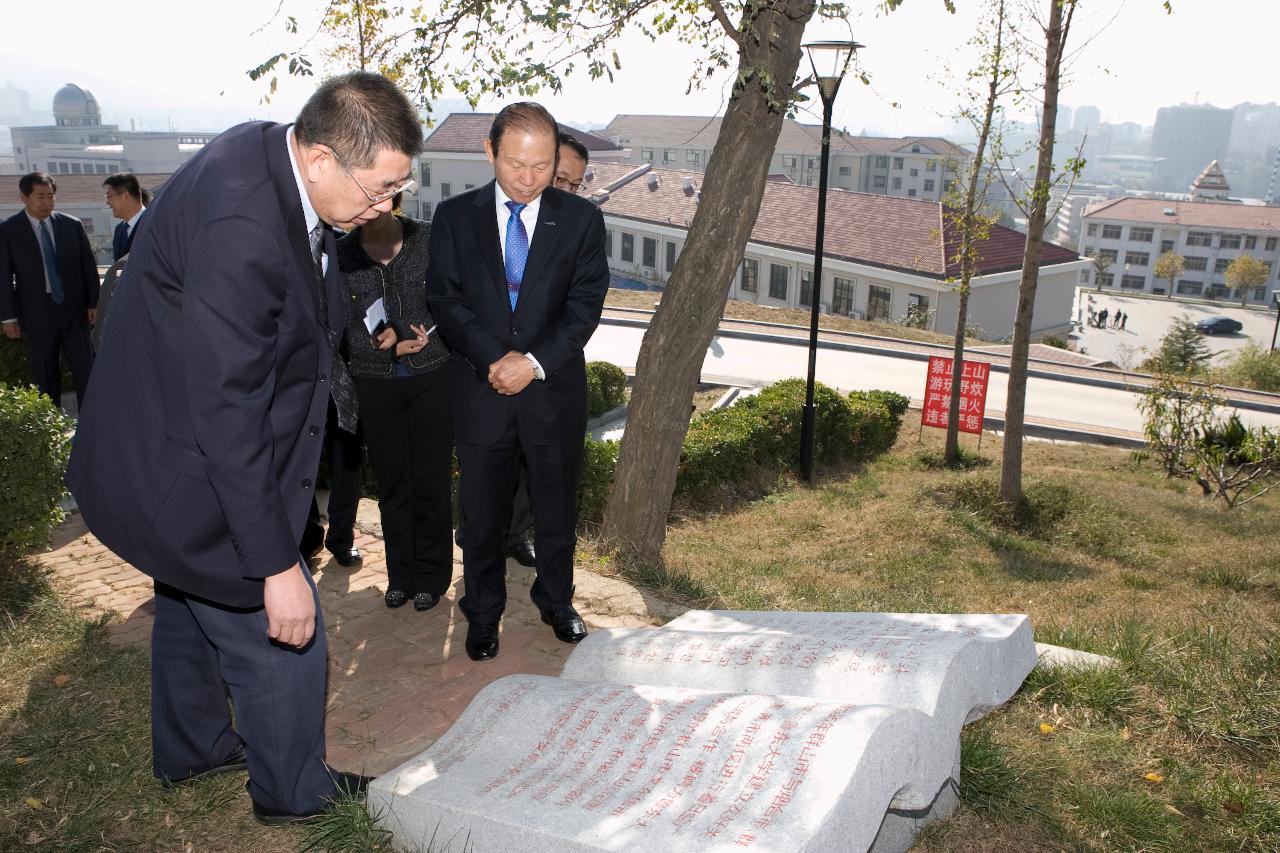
606 387
1054 341
1182 349
598 462
34 446
1252 367
14 368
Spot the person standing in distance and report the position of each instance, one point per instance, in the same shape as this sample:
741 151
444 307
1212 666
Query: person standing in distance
196 453
517 280
125 198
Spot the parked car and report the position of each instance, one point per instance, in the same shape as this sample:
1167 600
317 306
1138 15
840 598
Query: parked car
1218 326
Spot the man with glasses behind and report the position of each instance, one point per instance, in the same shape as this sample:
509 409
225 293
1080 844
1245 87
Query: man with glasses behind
197 449
571 168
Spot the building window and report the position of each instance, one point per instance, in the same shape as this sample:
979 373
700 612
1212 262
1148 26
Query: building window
1259 293
917 305
911 193
646 154
1141 235
608 242
669 155
1220 265
1084 276
671 256
446 190
692 157
1110 232
948 186
897 162
813 162
1189 288
928 185
788 161
915 173
1229 241
1092 230
878 182
628 247
1108 254
649 253
426 174
915 149
1271 244
842 296
779 276
750 276
1133 282
882 162
1166 246
1199 238
1137 259
879 302
846 171
897 183
806 288
931 165
1106 280
1191 262
1251 242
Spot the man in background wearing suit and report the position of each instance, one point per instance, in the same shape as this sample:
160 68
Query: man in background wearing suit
124 197
196 454
517 280
48 286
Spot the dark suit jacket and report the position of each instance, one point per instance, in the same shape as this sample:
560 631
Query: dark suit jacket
565 282
201 430
22 292
121 248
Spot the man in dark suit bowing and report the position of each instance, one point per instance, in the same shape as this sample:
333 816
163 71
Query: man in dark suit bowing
196 453
517 280
48 286
124 197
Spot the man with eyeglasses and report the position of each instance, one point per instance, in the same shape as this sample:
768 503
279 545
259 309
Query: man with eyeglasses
197 448
125 198
571 168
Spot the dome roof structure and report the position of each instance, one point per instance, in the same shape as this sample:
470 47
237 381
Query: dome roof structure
75 106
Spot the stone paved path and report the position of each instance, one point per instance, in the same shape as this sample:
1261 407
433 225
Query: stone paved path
397 678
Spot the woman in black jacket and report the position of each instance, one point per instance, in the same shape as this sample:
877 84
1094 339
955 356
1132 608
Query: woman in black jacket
403 389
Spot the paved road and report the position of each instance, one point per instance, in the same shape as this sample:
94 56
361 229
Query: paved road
754 362
1149 319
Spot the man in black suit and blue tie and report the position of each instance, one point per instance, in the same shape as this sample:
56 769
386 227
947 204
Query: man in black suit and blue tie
48 286
196 452
517 281
124 197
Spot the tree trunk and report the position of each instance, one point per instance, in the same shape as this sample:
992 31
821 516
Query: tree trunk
675 344
1015 406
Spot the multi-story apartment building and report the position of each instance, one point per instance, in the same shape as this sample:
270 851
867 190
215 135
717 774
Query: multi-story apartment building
883 256
1187 137
906 167
1133 232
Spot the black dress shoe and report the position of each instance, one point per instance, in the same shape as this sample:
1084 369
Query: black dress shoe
482 640
347 557
523 553
566 623
396 597
425 601
233 762
350 785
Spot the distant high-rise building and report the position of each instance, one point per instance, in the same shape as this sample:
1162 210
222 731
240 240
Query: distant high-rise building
1188 136
1064 119
1088 118
15 104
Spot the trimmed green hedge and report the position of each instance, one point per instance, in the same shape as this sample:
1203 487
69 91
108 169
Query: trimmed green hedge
606 387
598 462
35 443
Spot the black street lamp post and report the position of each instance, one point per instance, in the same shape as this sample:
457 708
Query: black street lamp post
830 60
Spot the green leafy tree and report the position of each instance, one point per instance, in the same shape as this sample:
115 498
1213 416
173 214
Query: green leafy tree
1245 273
1169 266
1101 263
1175 411
1182 349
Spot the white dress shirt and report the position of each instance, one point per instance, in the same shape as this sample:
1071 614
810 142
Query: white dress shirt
308 212
132 221
529 216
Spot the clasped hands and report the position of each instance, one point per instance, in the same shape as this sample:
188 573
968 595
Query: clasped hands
511 374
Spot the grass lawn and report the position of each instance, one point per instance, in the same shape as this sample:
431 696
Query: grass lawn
1177 749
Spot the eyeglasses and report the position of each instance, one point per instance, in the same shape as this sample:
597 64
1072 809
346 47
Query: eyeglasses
567 185
376 198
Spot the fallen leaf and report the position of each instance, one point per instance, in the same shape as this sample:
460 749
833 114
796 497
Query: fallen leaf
1046 728
34 838
1174 810
34 803
61 680
1234 808
1153 777
22 759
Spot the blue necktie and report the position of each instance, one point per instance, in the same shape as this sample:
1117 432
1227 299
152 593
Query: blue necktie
50 262
517 251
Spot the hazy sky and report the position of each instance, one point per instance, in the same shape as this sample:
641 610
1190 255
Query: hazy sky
153 60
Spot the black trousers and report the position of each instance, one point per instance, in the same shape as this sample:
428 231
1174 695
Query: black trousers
345 452
200 652
521 512
488 476
408 432
65 334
